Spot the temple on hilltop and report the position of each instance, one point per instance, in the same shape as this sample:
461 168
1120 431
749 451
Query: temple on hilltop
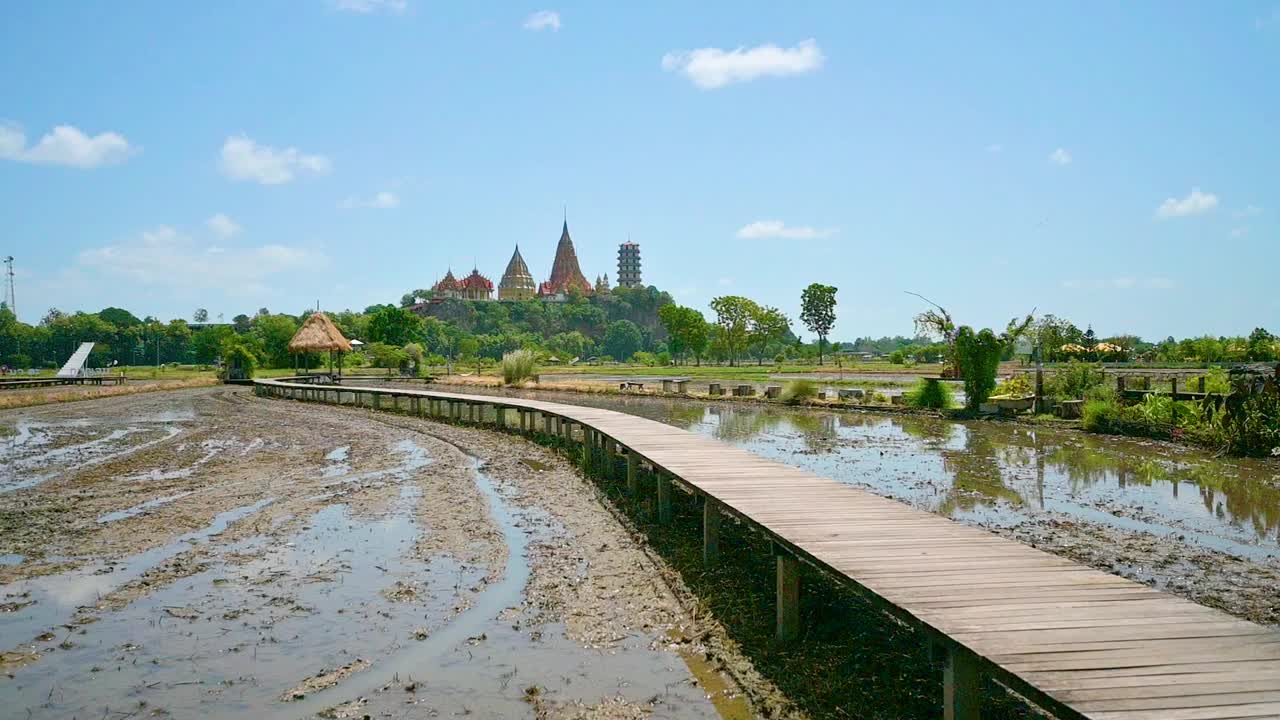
517 282
473 287
565 273
602 284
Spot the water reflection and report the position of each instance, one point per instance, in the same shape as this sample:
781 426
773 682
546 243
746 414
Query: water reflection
1000 472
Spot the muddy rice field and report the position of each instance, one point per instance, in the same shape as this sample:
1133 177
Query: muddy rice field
205 553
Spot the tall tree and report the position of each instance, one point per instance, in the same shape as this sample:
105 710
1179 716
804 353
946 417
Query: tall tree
686 330
622 339
733 315
768 325
200 315
818 312
394 326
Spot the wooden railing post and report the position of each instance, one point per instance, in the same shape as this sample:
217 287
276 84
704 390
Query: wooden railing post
788 596
961 685
710 532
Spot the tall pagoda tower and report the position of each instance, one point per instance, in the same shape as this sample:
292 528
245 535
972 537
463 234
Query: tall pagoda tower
629 265
517 282
565 273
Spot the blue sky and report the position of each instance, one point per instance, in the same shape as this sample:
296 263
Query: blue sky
1112 163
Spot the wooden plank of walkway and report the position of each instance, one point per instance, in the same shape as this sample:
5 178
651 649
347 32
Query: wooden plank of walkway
1079 642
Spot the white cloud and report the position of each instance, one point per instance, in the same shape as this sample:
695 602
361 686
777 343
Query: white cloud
381 201
762 229
1194 203
1060 157
222 225
995 148
165 258
65 145
244 159
711 68
543 20
365 7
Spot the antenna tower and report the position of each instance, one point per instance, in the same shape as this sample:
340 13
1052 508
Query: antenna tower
10 295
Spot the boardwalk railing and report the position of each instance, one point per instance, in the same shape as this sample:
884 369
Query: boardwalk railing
1077 642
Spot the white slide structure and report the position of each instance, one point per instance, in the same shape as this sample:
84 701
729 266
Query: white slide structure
75 364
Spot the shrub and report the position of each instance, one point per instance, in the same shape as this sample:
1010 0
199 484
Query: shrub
797 391
930 394
979 356
642 357
234 352
664 358
898 357
1016 386
518 366
1074 380
1100 415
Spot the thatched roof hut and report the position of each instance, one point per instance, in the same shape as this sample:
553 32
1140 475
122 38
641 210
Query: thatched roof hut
318 334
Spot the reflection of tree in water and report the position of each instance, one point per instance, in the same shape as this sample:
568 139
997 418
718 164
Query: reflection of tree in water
742 424
687 415
1250 498
976 475
818 430
932 432
1240 491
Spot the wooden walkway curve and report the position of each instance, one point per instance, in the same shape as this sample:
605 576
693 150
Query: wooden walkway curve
1078 642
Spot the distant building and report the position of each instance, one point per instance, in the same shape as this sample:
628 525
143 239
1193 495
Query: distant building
629 265
517 282
602 284
447 289
477 287
473 287
566 275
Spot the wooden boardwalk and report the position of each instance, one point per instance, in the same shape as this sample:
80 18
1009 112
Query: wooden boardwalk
1078 642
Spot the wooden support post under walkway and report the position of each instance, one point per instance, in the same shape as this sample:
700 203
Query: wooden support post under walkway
633 469
788 596
961 685
664 499
710 532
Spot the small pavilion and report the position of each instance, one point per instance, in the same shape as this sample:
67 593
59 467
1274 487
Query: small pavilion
317 335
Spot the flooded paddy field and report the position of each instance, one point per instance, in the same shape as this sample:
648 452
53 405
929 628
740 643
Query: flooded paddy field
1204 527
205 553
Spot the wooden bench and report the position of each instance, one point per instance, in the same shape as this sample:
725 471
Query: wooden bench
628 385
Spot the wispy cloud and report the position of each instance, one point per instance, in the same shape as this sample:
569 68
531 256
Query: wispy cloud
365 7
244 159
995 148
764 229
166 258
1247 211
543 20
381 201
711 68
1195 203
65 145
222 225
1060 157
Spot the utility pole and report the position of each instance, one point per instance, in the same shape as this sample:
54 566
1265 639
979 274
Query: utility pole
10 294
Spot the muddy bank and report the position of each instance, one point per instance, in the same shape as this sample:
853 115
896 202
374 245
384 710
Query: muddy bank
210 553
